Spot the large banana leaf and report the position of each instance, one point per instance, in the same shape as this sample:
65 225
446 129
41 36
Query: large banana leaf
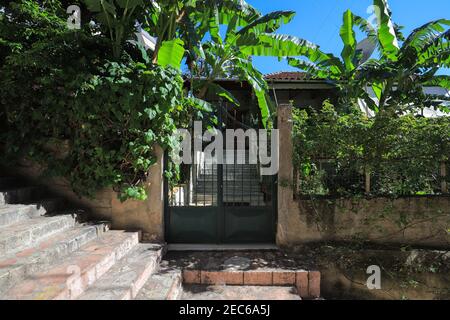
378 89
436 52
200 104
268 23
386 31
171 53
214 25
425 34
442 81
274 45
259 85
348 37
244 12
310 68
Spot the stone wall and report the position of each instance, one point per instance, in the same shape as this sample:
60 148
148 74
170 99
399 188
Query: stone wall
422 221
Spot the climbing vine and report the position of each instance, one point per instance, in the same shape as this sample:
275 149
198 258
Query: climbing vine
64 90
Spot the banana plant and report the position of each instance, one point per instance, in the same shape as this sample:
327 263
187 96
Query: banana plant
170 21
405 67
248 33
231 56
341 71
397 76
118 16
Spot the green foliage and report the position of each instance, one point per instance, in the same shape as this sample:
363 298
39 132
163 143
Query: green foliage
63 90
171 53
96 92
402 154
231 56
111 120
24 22
397 76
118 18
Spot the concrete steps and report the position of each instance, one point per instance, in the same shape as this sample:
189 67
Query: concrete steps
49 252
68 279
27 233
128 276
10 214
16 267
14 213
164 285
236 187
211 198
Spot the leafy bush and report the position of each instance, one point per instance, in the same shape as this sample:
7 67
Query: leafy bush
402 154
65 88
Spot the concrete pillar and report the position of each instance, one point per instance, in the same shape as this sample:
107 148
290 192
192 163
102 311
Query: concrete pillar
285 172
147 215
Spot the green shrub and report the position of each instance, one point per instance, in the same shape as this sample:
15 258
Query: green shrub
402 154
66 87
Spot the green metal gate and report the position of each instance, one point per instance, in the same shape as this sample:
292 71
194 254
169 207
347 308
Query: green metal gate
221 204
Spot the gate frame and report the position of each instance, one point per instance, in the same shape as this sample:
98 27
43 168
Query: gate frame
221 214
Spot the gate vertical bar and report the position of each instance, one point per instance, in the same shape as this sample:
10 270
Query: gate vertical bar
220 207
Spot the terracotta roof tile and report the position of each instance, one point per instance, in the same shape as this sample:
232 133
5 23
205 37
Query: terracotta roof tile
288 76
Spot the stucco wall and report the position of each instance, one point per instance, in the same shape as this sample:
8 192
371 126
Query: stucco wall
421 221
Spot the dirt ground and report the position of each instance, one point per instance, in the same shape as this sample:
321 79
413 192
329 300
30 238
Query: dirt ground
406 273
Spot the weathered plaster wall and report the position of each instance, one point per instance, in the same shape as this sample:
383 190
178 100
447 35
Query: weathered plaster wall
147 216
412 220
422 221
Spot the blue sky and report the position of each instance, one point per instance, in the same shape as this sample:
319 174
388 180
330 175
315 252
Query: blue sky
319 21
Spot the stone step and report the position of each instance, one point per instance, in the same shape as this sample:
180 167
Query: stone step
10 214
28 233
223 292
21 195
229 189
230 183
128 276
307 283
16 267
252 172
229 177
232 168
164 285
68 279
230 195
14 213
